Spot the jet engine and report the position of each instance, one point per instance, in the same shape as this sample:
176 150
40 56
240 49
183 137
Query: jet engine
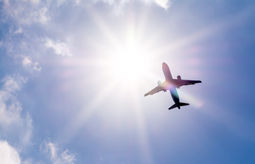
179 77
159 83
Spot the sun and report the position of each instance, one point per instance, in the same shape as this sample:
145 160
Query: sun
129 61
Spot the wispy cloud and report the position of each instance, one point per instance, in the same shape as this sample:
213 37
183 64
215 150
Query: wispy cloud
10 107
118 4
60 48
31 65
33 1
18 31
25 14
8 154
57 156
163 3
11 119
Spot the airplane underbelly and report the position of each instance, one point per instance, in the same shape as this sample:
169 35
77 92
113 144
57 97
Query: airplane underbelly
174 95
168 86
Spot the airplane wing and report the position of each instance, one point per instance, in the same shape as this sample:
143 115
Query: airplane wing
180 83
154 90
167 72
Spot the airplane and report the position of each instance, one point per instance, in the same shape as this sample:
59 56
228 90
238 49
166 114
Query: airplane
171 85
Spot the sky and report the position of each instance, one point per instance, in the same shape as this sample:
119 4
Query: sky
73 75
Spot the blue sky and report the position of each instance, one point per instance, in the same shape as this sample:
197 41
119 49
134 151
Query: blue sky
73 75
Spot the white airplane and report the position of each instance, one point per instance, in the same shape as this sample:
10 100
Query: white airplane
171 85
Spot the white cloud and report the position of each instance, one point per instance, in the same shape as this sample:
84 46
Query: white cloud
29 64
26 61
33 1
41 15
18 31
60 48
57 156
27 126
11 121
51 150
8 154
10 107
117 5
77 2
120 3
25 14
112 2
162 3
13 83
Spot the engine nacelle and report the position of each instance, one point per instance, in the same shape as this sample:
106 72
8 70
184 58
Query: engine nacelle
179 77
159 83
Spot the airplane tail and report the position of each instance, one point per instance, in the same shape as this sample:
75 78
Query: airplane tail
178 105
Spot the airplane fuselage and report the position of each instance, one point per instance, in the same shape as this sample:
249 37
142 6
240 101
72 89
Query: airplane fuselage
170 85
167 85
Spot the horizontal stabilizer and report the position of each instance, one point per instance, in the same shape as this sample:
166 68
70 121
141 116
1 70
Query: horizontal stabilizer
172 107
178 105
183 104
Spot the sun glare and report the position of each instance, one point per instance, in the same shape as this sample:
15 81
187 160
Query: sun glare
129 62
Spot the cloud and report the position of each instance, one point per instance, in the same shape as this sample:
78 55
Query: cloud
33 1
12 123
60 48
25 14
27 126
57 156
18 31
41 15
29 64
10 107
118 4
114 2
163 3
8 154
